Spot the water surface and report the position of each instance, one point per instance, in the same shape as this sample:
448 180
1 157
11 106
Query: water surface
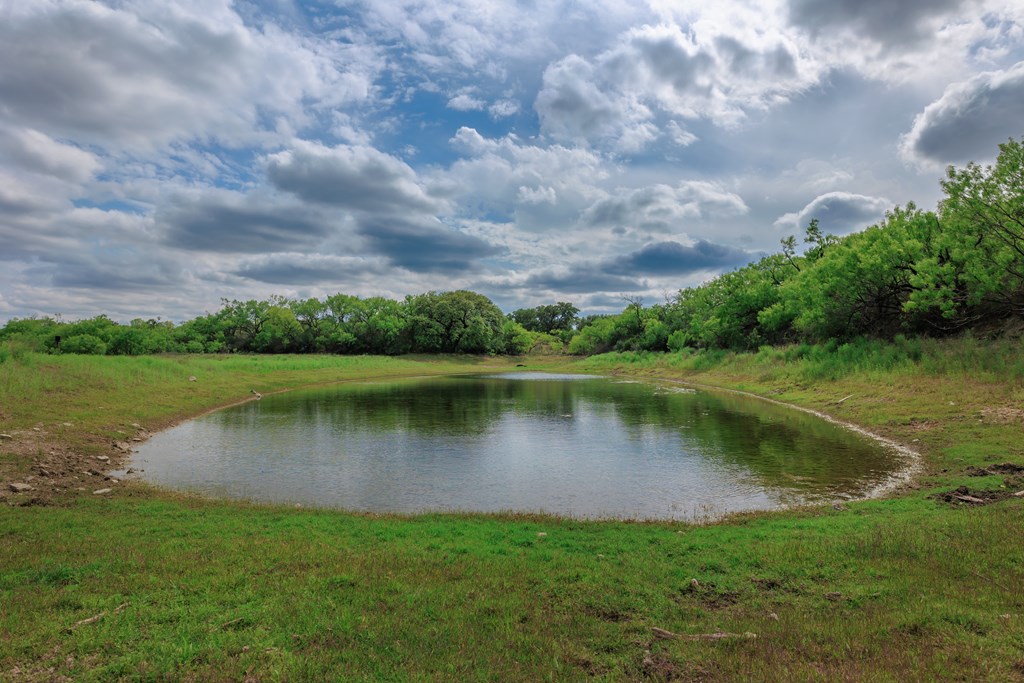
563 444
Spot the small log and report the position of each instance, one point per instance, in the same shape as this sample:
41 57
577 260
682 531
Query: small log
970 499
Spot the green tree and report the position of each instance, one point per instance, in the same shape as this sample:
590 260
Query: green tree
453 322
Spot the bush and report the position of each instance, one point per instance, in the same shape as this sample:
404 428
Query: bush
84 344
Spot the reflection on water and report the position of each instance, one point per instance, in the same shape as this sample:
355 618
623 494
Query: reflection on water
522 441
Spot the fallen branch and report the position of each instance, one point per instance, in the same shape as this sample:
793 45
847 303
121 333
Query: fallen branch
94 619
844 398
970 499
718 635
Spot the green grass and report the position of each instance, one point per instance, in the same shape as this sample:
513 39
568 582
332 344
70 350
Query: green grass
888 590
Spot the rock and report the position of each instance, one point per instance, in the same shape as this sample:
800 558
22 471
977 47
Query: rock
103 458
838 506
773 616
6 437
100 492
66 424
135 424
192 378
122 446
37 429
136 439
130 470
1019 494
20 488
542 534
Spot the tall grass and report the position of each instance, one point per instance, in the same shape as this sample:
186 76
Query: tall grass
988 360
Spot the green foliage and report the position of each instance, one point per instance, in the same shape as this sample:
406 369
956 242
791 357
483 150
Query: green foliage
454 322
86 344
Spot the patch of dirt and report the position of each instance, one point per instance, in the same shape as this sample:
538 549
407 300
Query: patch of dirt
1002 414
607 614
659 667
963 496
1005 468
54 471
766 584
710 597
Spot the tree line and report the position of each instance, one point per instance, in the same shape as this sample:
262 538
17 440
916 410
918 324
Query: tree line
916 272
435 322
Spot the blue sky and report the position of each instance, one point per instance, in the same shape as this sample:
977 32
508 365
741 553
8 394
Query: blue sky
157 156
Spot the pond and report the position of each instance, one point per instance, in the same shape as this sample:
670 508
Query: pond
572 445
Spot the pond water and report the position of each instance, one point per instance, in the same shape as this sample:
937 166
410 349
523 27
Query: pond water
570 445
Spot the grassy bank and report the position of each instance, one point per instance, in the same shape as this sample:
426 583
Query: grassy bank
907 588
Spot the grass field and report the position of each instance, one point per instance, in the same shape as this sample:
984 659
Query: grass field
906 588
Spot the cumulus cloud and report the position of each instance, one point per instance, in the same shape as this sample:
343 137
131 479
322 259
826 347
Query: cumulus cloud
892 23
466 102
306 269
37 152
541 187
233 222
705 72
838 212
424 246
354 177
661 208
142 75
673 258
582 278
969 120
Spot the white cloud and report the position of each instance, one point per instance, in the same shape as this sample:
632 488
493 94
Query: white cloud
142 75
664 209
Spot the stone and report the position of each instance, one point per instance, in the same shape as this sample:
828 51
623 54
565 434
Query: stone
192 378
123 446
541 534
20 488
100 492
103 458
6 437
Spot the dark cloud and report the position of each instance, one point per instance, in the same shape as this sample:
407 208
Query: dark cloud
891 22
583 278
673 258
358 178
425 246
119 269
225 222
970 119
303 269
838 212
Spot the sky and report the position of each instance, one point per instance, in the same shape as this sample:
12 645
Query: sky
157 156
